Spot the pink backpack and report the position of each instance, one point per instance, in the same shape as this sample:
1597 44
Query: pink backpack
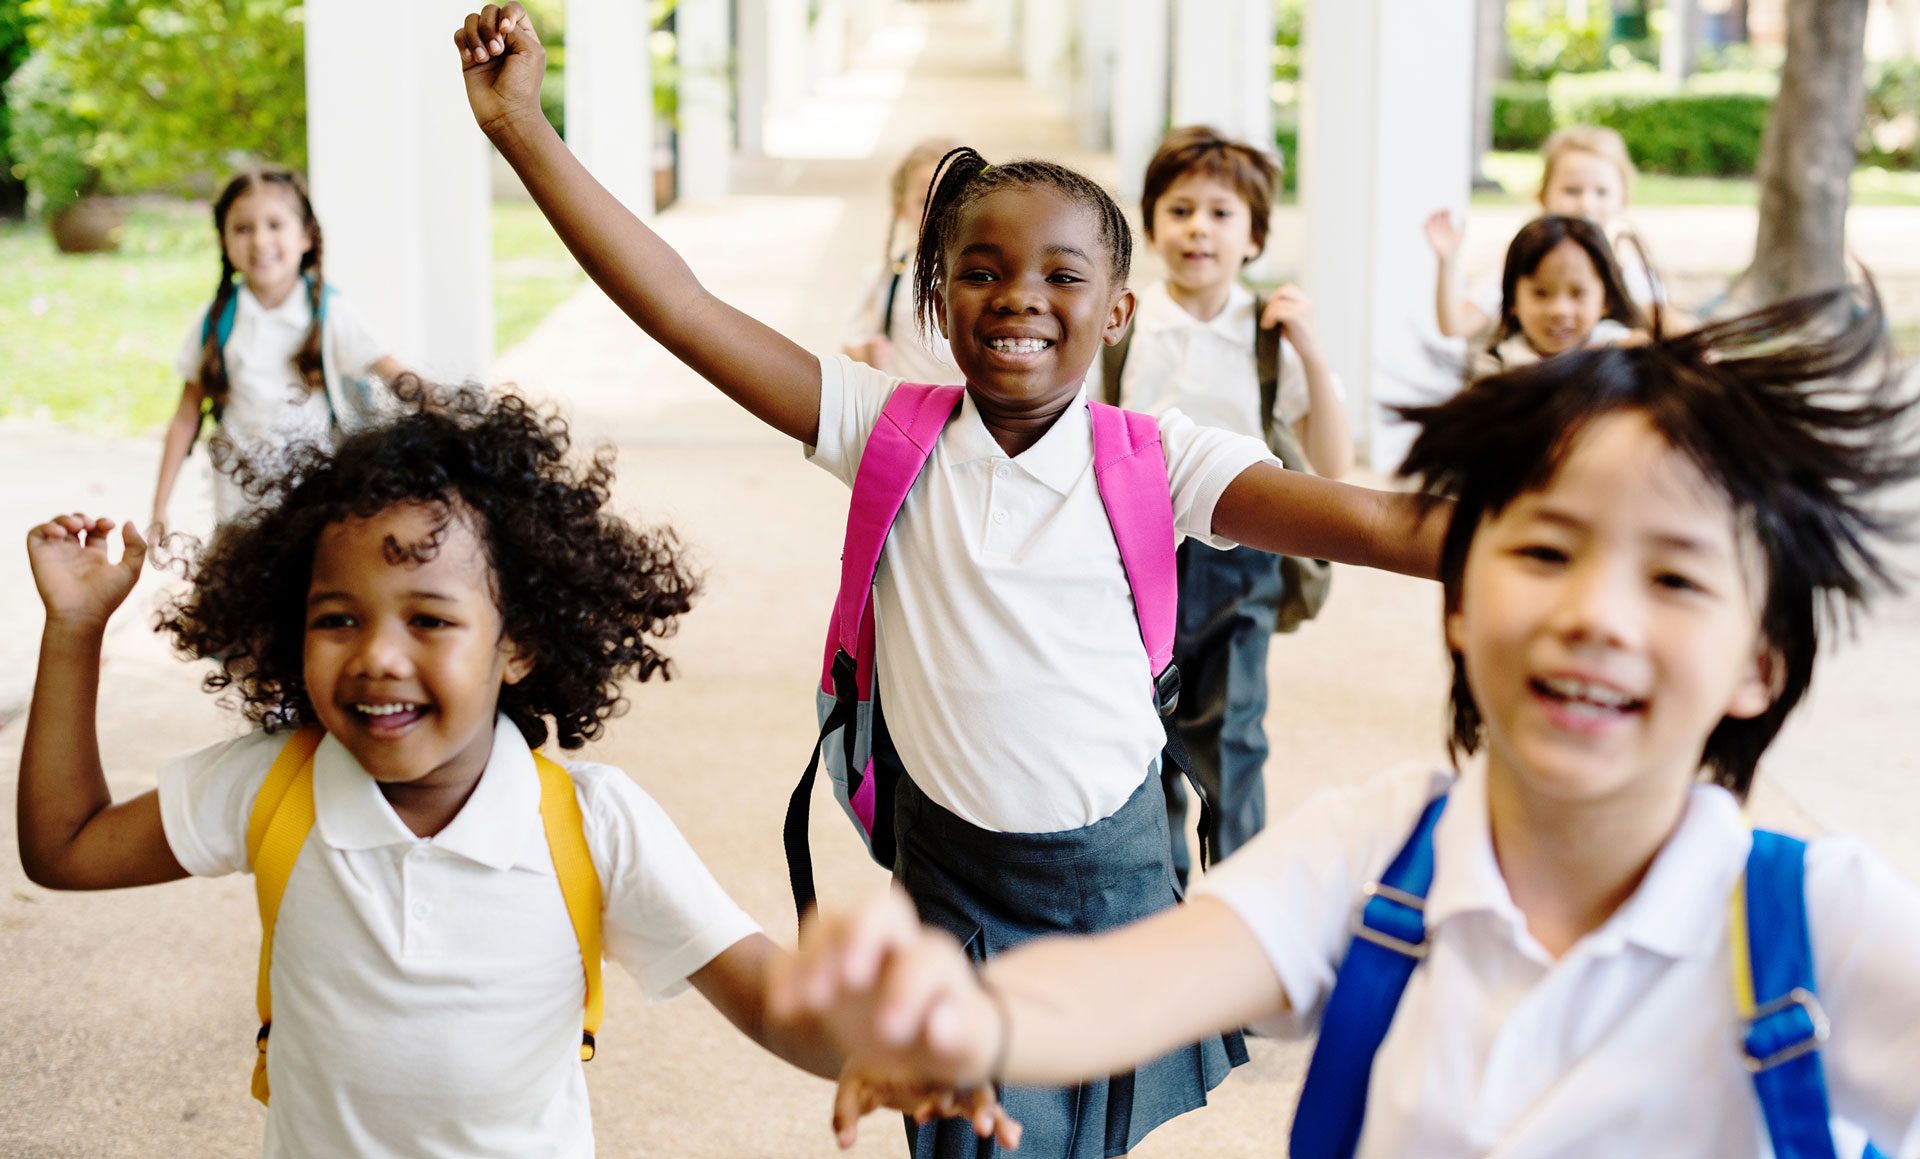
1130 470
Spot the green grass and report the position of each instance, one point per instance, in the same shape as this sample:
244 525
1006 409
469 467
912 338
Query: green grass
89 340
1519 173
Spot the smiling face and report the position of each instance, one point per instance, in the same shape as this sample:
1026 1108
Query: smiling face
266 237
1028 298
1583 184
1203 230
1608 622
404 661
1561 301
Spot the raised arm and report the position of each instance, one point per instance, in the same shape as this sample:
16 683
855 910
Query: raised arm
1294 513
765 372
72 835
173 451
1455 316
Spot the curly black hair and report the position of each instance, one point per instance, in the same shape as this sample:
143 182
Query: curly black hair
578 588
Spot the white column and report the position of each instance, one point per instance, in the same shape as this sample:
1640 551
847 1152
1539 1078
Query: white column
1386 119
610 96
1223 67
1045 43
829 39
1680 40
1093 97
788 58
751 75
400 179
1139 88
706 97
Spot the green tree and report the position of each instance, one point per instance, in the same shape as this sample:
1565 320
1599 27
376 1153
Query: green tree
183 91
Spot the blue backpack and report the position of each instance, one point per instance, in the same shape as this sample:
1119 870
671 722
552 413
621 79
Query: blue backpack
220 328
1773 961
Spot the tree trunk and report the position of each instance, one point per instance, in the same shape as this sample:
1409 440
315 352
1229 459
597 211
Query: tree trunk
1489 66
1807 153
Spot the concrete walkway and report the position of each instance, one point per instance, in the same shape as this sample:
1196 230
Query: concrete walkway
127 1017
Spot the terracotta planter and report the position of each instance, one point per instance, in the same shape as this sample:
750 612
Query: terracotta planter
90 225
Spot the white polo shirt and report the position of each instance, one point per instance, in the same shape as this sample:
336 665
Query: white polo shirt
1629 1043
427 992
1206 369
1011 668
268 406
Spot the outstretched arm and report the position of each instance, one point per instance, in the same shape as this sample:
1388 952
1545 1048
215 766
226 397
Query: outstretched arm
1294 513
762 370
72 835
173 451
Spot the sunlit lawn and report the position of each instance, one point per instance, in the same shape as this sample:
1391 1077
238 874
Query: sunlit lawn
90 340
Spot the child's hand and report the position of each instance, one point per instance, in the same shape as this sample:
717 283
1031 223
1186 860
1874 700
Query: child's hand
1289 307
503 63
860 1093
899 1000
77 582
1443 235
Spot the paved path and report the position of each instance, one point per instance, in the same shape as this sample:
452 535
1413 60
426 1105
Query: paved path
127 1018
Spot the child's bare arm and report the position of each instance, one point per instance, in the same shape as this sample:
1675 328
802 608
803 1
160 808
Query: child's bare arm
1323 431
72 835
173 450
1455 316
772 377
1292 513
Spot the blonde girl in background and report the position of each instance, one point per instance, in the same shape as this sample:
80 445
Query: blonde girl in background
883 332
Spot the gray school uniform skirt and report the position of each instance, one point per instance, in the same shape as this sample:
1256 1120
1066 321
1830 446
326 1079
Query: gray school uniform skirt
995 890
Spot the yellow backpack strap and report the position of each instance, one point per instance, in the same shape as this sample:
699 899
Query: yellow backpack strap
282 816
579 882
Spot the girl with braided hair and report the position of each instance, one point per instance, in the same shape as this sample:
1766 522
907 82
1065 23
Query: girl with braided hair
1018 690
277 357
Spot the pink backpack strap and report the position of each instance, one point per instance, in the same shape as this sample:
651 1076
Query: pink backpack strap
896 452
1130 469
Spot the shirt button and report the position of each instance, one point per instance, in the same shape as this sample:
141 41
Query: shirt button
999 517
422 911
1002 471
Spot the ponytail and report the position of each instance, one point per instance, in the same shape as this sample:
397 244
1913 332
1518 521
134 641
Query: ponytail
955 172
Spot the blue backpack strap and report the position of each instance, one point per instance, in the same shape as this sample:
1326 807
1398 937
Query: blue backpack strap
897 451
1775 987
1389 942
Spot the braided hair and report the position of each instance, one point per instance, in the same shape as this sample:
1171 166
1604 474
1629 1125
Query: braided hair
965 178
214 383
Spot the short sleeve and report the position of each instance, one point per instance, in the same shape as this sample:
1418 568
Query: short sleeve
206 799
1292 402
350 340
1865 924
1296 884
1201 462
852 395
186 364
664 916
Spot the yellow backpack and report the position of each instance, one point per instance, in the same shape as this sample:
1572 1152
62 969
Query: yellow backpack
283 815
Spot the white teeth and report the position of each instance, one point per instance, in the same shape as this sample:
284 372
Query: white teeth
1019 345
1586 694
384 709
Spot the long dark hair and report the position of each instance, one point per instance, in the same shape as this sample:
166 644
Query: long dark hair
213 360
964 177
1530 247
1771 409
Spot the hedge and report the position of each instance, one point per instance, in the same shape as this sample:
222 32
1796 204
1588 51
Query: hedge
1522 115
1710 128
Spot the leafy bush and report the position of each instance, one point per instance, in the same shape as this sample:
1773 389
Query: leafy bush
182 90
1541 48
13 53
1522 115
1710 128
1890 131
54 137
1286 144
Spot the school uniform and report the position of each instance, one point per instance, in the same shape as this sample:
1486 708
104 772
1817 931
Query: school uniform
1018 697
1514 351
427 992
1629 1043
1229 599
269 406
886 310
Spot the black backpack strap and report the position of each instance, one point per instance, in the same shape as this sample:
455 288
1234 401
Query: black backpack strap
1266 360
893 293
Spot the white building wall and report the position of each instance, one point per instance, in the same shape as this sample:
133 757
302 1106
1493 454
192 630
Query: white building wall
610 96
704 37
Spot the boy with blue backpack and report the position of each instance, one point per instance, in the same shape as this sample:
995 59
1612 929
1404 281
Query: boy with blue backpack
1575 944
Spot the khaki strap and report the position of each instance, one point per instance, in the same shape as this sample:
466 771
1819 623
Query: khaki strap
282 816
579 883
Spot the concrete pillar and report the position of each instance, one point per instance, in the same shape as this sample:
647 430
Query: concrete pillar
1223 67
1093 90
750 76
789 74
828 36
1680 40
703 33
1046 45
610 96
1139 78
400 179
1385 123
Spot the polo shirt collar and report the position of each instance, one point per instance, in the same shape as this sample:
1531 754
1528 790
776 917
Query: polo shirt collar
1679 910
1158 312
293 312
1057 460
492 828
